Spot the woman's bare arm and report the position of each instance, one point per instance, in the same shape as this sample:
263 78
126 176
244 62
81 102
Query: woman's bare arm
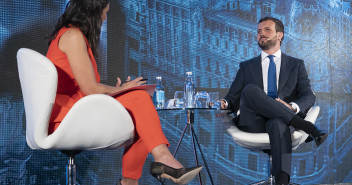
72 43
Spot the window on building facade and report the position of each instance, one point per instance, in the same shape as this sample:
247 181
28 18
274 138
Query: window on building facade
209 85
175 11
159 6
302 167
209 65
252 162
137 16
175 23
245 35
198 85
217 67
151 4
231 153
167 8
184 26
176 37
183 13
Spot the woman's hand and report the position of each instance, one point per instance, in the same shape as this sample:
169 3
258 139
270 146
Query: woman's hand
129 83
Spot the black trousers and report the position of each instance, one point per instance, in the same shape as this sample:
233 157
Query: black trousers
260 113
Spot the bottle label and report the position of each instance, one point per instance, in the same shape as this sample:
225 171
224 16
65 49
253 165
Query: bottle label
160 95
189 95
160 98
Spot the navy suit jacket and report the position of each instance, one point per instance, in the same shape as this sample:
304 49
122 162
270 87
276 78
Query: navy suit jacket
294 85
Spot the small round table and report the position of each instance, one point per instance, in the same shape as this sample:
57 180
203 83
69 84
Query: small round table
189 124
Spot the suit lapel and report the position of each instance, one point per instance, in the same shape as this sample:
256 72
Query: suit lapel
285 70
257 71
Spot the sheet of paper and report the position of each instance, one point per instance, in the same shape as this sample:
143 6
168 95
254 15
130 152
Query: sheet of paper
149 88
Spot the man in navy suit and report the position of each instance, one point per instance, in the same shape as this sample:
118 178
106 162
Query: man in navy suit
272 101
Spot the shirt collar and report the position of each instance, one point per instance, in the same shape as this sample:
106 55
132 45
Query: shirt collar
276 54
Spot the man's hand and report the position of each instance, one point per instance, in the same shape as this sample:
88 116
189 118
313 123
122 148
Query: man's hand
286 104
223 104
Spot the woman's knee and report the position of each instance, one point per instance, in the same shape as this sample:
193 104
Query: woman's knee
140 93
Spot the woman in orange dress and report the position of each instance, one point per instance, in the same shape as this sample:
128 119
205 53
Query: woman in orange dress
72 47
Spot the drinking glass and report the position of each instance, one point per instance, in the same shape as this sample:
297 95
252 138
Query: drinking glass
179 102
214 101
202 99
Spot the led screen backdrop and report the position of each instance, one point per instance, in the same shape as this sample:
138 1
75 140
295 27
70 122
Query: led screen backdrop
167 38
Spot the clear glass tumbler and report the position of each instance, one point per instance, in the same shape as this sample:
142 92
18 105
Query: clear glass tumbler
202 99
214 101
179 101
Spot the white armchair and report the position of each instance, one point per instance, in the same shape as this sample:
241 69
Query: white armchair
95 122
260 141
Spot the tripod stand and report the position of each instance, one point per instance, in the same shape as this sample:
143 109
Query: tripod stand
190 122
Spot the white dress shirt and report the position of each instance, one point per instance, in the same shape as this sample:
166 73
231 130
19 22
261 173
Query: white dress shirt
265 69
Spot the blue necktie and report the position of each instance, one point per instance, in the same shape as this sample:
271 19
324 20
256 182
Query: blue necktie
272 90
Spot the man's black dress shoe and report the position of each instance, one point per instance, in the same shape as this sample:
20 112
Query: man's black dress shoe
320 138
283 179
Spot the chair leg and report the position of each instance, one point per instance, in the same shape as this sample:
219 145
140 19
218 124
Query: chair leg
71 167
269 181
71 172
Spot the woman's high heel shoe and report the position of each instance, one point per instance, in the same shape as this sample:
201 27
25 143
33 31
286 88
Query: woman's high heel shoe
179 176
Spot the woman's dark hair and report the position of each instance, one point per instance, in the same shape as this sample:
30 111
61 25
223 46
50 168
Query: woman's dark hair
85 15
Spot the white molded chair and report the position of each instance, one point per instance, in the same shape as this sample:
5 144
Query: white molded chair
260 141
95 122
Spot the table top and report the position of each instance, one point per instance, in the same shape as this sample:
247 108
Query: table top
190 109
196 109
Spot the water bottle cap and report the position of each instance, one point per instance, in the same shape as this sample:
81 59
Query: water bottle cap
158 78
189 73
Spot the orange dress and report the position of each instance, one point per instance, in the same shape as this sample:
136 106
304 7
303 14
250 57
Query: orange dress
68 91
148 131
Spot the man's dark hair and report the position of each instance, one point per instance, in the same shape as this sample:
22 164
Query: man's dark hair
279 26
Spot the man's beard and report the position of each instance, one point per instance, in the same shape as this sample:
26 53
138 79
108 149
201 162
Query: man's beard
268 44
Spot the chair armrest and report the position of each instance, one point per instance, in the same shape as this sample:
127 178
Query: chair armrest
95 122
252 141
299 136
